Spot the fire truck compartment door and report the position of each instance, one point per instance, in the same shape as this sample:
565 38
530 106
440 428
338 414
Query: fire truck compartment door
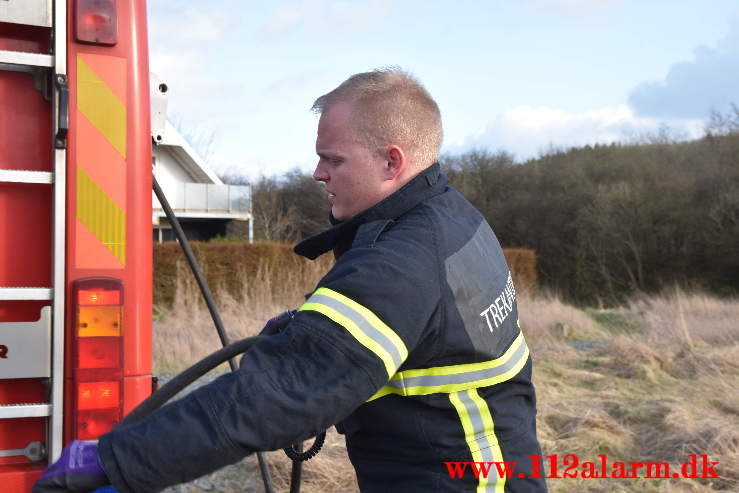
25 348
28 12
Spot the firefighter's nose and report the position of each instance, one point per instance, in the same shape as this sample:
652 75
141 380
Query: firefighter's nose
320 174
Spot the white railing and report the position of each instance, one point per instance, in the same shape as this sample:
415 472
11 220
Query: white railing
208 198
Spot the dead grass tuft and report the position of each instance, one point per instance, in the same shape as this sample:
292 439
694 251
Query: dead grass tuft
678 317
547 317
654 380
628 357
703 422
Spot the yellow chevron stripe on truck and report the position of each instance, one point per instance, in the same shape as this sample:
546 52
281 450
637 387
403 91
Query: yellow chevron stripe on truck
101 215
100 155
101 106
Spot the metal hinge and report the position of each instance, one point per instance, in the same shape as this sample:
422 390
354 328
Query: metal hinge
34 451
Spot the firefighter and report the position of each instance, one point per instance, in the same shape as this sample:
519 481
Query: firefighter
410 344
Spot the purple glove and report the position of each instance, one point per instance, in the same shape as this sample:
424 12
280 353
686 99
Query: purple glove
276 324
78 469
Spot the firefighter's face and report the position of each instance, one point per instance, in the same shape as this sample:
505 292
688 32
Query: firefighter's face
356 177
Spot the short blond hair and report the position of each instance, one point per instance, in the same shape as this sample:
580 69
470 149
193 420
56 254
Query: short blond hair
392 107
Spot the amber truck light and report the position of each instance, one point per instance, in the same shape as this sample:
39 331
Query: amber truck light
98 356
96 22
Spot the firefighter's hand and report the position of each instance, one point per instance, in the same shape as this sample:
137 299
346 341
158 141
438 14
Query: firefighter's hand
78 469
276 324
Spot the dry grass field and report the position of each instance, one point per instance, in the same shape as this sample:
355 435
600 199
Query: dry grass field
654 380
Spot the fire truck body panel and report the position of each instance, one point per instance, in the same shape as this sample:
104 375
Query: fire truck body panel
81 222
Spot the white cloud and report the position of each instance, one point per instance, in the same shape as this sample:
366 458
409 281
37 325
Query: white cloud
325 14
530 130
582 7
691 89
291 15
180 41
188 26
182 44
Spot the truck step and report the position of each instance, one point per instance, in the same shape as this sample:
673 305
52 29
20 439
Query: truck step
31 410
15 60
26 176
25 293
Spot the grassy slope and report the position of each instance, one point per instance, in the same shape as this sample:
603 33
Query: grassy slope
655 380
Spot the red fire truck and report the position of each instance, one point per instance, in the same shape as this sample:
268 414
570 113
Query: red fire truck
75 225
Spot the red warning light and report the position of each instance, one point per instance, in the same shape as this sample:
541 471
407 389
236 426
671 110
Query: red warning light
92 297
97 22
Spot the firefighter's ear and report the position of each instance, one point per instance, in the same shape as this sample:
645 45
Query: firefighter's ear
395 162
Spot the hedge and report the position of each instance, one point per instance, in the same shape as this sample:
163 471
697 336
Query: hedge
227 264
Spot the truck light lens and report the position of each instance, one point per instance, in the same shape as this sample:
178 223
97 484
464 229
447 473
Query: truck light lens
96 22
99 321
98 356
91 424
99 352
99 296
98 395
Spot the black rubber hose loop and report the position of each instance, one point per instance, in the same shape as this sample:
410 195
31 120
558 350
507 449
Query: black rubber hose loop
179 382
174 386
298 456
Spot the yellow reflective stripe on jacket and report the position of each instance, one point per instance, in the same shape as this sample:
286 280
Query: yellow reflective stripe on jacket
479 433
455 378
365 326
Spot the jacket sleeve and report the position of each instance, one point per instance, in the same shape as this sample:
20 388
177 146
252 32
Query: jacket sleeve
290 387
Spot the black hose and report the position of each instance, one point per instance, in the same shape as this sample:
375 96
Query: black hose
263 465
228 352
195 268
171 388
297 470
295 452
182 380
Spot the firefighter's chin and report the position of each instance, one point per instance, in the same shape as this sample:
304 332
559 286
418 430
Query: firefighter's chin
338 213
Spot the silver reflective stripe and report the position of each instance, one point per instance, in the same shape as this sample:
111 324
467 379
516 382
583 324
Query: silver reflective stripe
363 324
460 378
481 439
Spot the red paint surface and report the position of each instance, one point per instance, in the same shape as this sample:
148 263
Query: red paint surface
25 214
25 236
136 274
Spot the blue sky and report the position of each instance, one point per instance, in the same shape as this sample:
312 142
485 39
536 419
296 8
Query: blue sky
522 76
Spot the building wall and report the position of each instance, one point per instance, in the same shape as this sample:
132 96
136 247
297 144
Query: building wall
171 174
168 172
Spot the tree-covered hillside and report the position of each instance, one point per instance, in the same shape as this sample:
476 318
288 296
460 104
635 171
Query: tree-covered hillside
605 221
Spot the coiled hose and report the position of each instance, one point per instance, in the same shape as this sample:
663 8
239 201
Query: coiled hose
179 382
226 354
174 386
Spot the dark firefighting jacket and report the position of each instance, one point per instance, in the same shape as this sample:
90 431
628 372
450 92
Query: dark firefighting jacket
410 345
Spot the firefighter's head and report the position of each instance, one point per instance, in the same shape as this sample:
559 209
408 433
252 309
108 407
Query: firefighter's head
377 131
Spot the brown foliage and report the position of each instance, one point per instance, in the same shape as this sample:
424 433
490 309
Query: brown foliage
226 265
522 262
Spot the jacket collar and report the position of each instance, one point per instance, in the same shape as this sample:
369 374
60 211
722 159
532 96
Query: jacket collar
423 186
